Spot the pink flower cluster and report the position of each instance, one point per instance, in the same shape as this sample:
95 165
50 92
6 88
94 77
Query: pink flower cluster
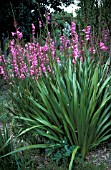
31 60
34 60
74 43
92 50
103 46
87 33
18 33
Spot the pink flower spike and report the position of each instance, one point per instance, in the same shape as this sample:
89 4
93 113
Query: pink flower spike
19 34
74 61
33 27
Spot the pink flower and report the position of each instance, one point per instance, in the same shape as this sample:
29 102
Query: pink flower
33 29
73 28
31 72
13 33
40 24
12 43
49 69
22 76
92 50
102 46
74 61
57 59
87 33
19 35
1 70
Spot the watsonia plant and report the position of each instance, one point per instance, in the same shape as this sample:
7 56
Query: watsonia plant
73 102
57 99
